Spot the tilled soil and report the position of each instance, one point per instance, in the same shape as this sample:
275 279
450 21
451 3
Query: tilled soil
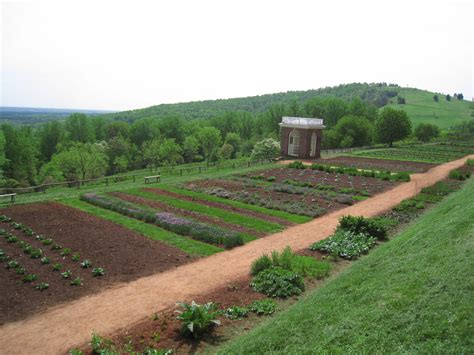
222 206
123 254
369 184
379 164
186 213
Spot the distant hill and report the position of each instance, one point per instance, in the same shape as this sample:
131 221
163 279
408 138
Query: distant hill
377 93
421 108
33 115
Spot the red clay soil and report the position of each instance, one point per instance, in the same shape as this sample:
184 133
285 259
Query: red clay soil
222 206
186 213
125 256
379 164
71 325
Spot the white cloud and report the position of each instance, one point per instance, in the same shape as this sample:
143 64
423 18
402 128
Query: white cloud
131 54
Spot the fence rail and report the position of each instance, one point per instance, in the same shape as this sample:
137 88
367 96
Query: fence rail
170 171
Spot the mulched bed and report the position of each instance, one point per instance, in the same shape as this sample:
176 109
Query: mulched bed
372 185
222 206
165 328
124 254
379 164
182 212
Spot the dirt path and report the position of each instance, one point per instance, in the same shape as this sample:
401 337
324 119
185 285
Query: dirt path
63 327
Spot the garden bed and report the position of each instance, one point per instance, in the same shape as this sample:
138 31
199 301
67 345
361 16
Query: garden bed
123 254
186 213
377 164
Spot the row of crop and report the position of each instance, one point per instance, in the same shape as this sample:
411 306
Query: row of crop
169 221
38 253
428 155
352 171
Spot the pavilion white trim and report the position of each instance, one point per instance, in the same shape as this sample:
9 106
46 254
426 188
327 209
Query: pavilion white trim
302 122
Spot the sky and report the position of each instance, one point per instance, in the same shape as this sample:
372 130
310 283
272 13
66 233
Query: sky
120 55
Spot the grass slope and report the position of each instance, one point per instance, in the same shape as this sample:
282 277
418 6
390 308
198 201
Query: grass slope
412 294
188 245
421 108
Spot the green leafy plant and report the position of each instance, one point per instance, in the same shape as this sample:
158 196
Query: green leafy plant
45 260
360 224
263 307
57 267
297 165
66 274
42 286
278 282
65 251
236 312
56 247
20 270
459 175
102 345
47 241
29 278
196 319
98 271
76 257
36 253
271 178
76 282
13 264
12 239
345 244
262 263
86 264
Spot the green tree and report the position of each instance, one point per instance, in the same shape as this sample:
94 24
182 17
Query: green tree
334 110
117 128
190 148
119 152
3 159
435 98
393 125
79 128
354 131
234 140
171 127
225 152
143 130
266 149
210 139
448 97
151 152
50 135
170 152
81 161
426 131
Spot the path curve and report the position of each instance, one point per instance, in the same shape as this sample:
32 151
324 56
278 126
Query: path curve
60 328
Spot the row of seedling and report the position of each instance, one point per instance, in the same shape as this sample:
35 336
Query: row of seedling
20 270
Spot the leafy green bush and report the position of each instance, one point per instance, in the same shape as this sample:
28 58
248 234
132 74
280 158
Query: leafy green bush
301 265
76 282
360 224
345 244
260 264
29 278
459 175
271 178
470 162
263 307
86 264
409 205
101 345
42 286
57 267
278 282
297 165
98 271
196 319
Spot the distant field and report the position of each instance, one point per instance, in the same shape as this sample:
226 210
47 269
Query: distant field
421 108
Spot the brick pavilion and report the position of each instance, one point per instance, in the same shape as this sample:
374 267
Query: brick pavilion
301 137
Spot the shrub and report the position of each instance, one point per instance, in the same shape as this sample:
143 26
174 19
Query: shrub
29 278
101 345
360 224
297 165
196 319
345 244
470 162
403 176
262 263
409 205
278 282
76 282
459 175
271 178
57 267
263 307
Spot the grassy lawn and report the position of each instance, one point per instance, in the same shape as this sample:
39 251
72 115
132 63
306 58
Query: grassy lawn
410 295
421 108
231 217
281 214
188 245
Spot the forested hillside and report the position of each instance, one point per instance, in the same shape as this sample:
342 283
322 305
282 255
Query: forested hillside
84 147
377 94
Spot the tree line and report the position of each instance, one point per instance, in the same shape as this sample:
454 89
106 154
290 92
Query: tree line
84 147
